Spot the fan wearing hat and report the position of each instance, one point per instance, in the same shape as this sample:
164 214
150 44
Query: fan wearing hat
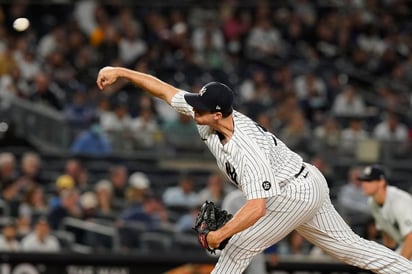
391 209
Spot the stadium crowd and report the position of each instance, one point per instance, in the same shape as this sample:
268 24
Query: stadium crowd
321 75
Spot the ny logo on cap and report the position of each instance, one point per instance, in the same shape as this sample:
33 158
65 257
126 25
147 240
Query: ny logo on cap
368 170
202 91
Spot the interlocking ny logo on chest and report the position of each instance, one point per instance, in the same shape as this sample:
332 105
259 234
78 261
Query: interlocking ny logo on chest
231 172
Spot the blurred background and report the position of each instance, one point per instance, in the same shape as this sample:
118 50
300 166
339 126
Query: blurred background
118 172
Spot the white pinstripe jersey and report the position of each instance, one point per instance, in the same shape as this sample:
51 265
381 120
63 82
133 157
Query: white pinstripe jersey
395 216
253 159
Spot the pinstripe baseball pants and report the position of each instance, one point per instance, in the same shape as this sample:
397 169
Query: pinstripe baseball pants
304 205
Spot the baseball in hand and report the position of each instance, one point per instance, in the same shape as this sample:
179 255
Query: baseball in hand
21 24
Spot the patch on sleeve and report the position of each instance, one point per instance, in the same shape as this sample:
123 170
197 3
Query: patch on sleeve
266 185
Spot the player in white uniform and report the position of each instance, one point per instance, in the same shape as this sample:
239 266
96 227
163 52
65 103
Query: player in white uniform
391 209
282 192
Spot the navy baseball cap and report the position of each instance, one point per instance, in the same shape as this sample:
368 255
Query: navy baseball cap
372 173
213 97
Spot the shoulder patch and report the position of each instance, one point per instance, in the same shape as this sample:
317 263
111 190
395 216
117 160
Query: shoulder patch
266 185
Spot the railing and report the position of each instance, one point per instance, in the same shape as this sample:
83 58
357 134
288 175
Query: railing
40 124
90 232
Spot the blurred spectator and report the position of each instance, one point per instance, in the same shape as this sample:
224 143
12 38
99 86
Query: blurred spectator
208 30
10 196
179 29
28 64
52 41
104 109
407 65
100 24
353 203
89 204
62 183
296 133
30 168
59 69
8 239
151 213
371 41
139 188
119 127
68 207
181 135
7 60
264 41
391 129
283 79
352 134
312 94
146 130
118 122
118 178
184 223
65 182
255 92
12 85
235 26
285 109
73 167
104 195
182 195
84 13
388 99
328 134
84 62
41 239
33 206
214 191
43 93
7 166
131 44
349 103
108 48
157 31
79 113
208 44
92 141
142 207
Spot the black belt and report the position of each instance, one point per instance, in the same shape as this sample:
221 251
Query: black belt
300 171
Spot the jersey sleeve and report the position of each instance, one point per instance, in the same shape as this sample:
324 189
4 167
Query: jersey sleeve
180 105
259 184
403 217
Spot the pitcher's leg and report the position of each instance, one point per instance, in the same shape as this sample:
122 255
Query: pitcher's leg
244 246
293 207
329 231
